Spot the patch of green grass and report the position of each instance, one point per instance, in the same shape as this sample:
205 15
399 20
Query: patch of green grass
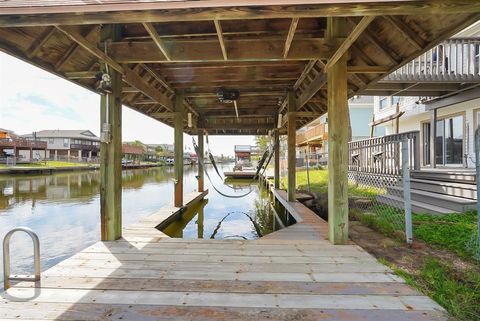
451 231
458 293
52 164
319 183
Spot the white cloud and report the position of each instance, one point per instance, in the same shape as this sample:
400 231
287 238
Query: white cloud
32 99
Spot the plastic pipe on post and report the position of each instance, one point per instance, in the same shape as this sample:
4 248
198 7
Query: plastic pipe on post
406 192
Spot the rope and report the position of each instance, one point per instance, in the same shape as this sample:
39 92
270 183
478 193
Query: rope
200 160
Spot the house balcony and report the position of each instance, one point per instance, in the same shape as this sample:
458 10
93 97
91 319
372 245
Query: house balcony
449 68
22 143
93 148
313 136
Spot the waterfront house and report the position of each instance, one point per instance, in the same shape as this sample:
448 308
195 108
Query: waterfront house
14 149
312 139
71 145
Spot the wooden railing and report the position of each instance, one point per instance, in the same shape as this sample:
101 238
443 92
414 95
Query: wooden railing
453 59
382 155
22 143
316 132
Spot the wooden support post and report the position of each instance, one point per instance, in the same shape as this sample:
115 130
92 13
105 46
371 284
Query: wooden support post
291 132
178 147
433 137
201 174
338 134
276 174
111 150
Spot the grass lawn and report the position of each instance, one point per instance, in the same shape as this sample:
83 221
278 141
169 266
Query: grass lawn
52 164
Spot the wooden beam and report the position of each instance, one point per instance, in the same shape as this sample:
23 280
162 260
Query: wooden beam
134 80
290 35
74 48
351 38
238 50
291 145
85 44
318 82
338 131
276 162
249 10
81 74
40 41
156 39
406 31
129 76
178 149
111 152
368 69
221 40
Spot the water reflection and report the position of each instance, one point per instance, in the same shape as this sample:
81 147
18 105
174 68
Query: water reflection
249 217
63 209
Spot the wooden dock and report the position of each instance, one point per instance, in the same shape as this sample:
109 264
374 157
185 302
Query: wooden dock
291 274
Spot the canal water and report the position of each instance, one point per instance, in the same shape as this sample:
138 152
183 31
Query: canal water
63 209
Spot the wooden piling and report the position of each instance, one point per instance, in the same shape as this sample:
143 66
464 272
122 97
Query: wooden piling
111 150
291 132
178 147
338 134
276 173
201 181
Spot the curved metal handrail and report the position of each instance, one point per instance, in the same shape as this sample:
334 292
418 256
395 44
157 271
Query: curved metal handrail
6 258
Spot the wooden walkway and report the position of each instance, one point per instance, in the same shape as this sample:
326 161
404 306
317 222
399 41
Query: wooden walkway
291 274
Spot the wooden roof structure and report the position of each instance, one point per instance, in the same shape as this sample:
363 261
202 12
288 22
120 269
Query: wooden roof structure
261 48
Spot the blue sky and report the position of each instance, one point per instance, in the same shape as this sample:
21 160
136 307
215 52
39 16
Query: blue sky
32 100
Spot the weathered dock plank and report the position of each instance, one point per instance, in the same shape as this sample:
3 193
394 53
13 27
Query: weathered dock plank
294 273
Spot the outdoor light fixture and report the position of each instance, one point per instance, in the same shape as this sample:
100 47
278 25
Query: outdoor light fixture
189 118
227 96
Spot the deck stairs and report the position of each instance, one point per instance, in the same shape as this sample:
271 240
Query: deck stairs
437 191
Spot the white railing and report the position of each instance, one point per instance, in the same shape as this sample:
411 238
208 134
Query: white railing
456 58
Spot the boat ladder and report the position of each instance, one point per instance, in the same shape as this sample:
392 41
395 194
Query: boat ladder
6 258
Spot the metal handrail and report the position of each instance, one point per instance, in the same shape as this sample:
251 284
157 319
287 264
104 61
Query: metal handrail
6 258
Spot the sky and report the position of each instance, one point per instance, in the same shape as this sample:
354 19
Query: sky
32 99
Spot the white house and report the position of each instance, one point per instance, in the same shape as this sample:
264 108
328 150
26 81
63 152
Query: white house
446 105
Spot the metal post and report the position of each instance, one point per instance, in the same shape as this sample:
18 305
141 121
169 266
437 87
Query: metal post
406 192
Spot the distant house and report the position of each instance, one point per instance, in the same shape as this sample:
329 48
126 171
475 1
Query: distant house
68 144
132 152
314 136
20 149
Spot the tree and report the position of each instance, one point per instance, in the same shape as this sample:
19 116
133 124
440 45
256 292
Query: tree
262 142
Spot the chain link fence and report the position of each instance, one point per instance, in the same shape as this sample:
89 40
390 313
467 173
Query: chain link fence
379 183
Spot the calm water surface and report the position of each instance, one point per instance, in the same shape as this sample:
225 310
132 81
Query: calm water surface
63 209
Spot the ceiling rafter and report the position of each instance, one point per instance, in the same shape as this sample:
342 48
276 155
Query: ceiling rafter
351 38
156 39
290 35
129 76
40 41
221 40
406 31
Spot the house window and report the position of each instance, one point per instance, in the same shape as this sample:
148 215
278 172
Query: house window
51 140
384 103
65 142
395 100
